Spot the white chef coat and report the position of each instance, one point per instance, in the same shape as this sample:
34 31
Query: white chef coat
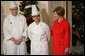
39 36
14 26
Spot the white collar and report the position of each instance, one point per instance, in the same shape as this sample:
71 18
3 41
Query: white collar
13 16
39 24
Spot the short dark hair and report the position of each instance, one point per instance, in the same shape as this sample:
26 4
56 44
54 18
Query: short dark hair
60 11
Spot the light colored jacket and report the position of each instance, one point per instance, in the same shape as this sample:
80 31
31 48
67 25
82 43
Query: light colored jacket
14 26
39 36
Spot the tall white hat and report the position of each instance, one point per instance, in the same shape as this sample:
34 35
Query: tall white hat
13 4
34 9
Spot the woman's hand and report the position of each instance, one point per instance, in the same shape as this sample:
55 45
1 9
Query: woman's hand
66 51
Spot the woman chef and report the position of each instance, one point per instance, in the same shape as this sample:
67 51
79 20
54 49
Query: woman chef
39 34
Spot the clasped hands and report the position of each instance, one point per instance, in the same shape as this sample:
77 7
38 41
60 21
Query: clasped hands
17 42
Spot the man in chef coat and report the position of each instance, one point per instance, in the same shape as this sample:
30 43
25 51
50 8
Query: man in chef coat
14 28
39 34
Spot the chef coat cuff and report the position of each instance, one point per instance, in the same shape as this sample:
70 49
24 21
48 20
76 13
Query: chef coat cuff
8 38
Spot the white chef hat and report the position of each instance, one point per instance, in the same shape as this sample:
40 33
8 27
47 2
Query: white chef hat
34 10
13 4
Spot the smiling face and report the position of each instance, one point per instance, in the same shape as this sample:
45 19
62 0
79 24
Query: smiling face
56 15
36 18
59 12
14 11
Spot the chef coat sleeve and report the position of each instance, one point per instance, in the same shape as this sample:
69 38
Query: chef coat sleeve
29 33
48 33
6 30
67 36
25 28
